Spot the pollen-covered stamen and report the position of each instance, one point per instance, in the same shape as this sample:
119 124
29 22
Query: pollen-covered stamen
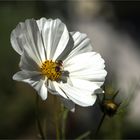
53 70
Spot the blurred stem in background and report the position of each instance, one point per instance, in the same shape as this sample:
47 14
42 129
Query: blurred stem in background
65 112
100 124
39 126
59 117
57 127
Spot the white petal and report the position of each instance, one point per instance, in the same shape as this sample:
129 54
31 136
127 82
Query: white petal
26 37
87 66
59 90
24 75
79 96
41 22
67 49
17 38
34 38
84 84
51 88
41 88
81 61
81 44
34 79
28 63
98 77
55 37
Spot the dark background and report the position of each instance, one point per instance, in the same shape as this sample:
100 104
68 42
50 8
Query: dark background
17 100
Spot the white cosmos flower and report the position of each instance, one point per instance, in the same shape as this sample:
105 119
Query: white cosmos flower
57 61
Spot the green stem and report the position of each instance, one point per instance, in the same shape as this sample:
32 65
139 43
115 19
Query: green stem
83 135
56 118
64 119
38 120
57 127
45 128
100 124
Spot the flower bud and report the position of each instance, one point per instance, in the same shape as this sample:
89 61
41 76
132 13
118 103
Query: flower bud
109 107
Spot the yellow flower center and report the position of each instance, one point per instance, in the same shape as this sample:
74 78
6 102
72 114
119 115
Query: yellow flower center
53 70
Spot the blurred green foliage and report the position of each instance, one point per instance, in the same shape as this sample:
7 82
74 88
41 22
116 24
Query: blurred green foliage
16 107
